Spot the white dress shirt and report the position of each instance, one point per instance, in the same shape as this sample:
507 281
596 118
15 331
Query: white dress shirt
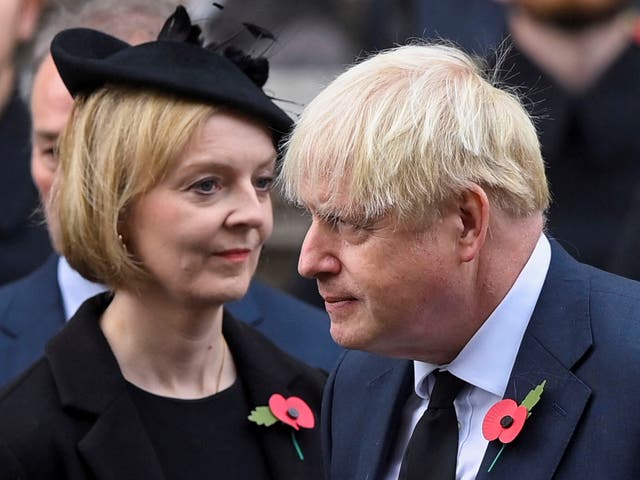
485 363
74 288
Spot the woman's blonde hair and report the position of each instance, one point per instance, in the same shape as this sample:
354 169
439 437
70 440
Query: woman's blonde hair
405 131
118 144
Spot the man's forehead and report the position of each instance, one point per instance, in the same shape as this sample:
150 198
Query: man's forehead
320 199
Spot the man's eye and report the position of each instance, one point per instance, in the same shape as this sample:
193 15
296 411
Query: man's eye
340 223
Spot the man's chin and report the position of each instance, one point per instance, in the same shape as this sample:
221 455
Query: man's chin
348 337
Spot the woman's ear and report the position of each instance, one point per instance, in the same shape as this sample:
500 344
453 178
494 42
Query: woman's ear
473 209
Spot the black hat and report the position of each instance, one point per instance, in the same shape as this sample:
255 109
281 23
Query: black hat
87 59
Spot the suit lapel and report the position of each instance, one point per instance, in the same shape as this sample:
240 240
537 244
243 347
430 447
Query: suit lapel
558 336
388 392
89 383
360 424
264 372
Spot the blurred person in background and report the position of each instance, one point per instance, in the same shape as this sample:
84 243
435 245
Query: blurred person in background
163 195
27 325
577 65
475 25
24 243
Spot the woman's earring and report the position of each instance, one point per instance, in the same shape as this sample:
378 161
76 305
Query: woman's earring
121 240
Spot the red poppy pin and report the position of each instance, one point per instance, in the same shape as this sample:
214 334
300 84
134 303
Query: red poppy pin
292 411
505 419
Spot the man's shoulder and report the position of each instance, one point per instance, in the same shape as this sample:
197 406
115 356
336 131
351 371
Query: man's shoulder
613 293
34 298
600 308
29 290
614 308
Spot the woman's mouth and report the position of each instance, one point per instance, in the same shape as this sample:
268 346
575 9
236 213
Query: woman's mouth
236 255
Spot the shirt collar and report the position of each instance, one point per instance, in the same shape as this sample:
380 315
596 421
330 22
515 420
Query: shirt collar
74 288
487 359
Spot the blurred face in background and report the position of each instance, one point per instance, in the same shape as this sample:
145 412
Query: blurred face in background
18 19
572 13
51 105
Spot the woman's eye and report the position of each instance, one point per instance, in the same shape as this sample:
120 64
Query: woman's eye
206 186
264 183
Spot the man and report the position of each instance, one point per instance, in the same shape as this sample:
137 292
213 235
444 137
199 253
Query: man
427 193
580 63
36 307
24 243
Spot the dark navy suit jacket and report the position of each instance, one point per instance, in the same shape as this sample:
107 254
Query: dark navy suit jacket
31 312
583 339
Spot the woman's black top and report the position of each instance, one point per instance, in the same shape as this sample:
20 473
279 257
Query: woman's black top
205 438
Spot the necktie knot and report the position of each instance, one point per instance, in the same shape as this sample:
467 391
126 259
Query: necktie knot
445 390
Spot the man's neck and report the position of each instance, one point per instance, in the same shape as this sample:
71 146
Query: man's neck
574 59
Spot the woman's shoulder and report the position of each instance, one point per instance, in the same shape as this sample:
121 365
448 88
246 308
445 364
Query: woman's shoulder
31 420
27 394
258 358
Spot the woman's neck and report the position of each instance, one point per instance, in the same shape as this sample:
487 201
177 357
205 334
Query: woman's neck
167 349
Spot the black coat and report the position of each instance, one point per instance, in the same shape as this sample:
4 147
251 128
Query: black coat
70 416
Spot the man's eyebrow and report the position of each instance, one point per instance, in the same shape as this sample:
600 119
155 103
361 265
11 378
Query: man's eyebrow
321 212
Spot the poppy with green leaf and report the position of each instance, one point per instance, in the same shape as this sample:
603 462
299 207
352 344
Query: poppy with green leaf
292 411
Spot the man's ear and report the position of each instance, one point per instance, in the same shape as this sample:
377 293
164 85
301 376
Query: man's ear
28 19
473 209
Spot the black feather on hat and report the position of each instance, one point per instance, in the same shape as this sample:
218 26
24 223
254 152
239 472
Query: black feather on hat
176 63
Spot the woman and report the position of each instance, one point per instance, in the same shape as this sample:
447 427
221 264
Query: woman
163 194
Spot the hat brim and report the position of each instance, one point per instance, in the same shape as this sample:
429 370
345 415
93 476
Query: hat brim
88 59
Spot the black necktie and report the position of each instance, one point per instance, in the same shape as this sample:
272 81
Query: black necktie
433 448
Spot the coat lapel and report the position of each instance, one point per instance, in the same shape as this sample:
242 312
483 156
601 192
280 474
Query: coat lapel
117 447
558 336
264 370
91 386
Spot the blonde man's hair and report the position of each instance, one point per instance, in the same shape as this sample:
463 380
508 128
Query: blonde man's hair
405 131
119 143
